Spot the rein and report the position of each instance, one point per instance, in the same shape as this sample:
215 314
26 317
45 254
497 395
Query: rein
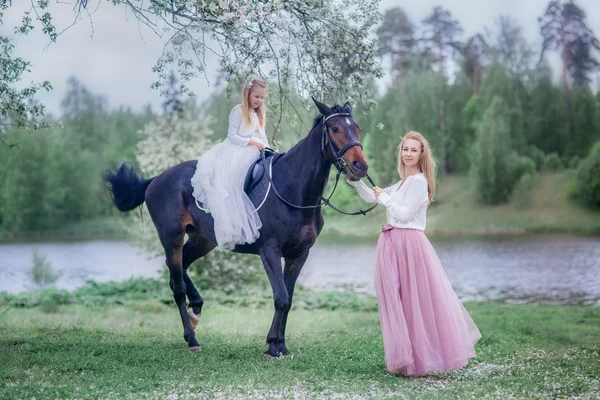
339 163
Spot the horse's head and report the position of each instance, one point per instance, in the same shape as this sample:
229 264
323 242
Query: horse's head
340 142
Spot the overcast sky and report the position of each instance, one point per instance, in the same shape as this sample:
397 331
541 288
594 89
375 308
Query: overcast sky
113 54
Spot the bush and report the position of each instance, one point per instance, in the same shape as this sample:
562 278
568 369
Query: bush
553 163
41 272
495 166
587 179
522 193
226 271
525 166
536 155
574 163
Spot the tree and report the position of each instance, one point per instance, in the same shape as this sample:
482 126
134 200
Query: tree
587 179
441 41
548 120
16 108
296 43
474 56
587 123
316 47
563 27
499 83
85 113
493 163
173 102
396 35
441 37
509 47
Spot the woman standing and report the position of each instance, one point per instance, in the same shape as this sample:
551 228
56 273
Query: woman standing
424 325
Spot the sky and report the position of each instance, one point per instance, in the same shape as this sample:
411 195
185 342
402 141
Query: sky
113 54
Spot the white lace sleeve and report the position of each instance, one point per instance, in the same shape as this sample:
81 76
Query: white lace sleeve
365 192
235 120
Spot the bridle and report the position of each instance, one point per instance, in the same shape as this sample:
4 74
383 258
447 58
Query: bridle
327 144
336 159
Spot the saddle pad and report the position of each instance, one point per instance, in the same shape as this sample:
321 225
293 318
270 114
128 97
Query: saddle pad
260 189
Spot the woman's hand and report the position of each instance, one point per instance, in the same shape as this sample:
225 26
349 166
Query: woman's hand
256 144
377 191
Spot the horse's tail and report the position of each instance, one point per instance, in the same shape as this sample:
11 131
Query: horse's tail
127 188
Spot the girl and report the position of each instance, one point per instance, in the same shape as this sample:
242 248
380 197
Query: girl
220 172
424 325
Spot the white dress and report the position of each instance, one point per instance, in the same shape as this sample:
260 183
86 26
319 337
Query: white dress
219 179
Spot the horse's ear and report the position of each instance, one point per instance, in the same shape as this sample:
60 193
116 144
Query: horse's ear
348 107
323 109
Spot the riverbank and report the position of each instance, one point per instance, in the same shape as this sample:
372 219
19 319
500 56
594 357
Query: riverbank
136 350
455 211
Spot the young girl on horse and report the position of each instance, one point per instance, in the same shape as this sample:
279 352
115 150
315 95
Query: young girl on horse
220 172
424 325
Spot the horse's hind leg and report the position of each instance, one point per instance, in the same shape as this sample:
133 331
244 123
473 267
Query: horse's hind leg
172 241
195 247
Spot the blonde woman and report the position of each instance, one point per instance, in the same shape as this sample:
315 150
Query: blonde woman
424 325
220 172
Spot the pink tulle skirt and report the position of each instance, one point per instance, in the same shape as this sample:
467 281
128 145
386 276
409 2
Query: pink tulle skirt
424 325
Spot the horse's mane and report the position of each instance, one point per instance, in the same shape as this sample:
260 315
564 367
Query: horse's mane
335 109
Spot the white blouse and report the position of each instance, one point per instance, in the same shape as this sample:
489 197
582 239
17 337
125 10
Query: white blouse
406 205
240 133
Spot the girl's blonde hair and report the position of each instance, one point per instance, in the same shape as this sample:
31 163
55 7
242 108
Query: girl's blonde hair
427 163
253 82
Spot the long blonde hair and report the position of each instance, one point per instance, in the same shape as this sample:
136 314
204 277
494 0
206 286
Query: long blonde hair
253 82
427 163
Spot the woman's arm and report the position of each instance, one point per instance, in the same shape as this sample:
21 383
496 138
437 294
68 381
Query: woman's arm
416 192
365 192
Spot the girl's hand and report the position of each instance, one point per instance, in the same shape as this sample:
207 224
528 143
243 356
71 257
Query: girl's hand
256 144
377 191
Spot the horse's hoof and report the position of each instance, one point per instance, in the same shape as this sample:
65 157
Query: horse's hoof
278 355
194 318
195 348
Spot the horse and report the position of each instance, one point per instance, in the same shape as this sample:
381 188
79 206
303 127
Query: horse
291 215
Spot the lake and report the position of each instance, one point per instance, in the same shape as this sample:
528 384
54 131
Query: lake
553 269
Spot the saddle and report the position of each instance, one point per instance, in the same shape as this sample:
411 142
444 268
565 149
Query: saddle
256 183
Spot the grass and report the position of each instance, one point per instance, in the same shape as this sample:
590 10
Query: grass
137 351
456 211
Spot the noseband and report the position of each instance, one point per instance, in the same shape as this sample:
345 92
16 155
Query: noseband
326 143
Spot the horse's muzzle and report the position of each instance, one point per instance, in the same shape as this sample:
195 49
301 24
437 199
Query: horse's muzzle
357 170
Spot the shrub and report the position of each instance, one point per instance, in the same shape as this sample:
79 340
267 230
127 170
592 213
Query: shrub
41 272
553 162
587 179
522 193
536 155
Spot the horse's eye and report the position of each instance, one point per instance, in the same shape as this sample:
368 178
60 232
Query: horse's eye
335 129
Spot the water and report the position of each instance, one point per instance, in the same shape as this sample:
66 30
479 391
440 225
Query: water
555 269
101 261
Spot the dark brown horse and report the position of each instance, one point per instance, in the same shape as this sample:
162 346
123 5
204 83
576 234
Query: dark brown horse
289 228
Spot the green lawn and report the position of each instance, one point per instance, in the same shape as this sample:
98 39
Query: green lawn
137 351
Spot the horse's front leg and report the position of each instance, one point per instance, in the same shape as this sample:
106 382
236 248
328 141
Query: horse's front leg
271 258
292 269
